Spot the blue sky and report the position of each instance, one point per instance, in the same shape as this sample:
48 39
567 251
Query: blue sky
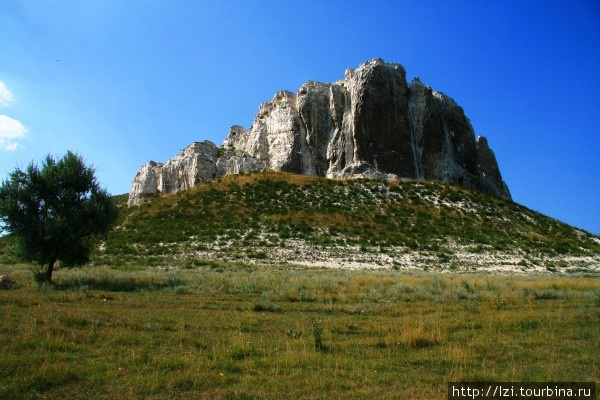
123 81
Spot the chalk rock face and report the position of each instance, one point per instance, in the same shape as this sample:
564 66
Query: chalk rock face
371 124
444 140
145 184
489 171
195 164
378 119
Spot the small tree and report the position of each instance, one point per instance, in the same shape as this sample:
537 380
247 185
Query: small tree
53 212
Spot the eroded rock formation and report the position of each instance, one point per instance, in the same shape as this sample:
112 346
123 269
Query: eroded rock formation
371 124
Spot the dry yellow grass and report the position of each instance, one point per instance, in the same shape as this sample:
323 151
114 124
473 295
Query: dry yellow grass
107 333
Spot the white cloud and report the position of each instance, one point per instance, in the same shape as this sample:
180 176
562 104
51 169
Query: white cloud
6 96
11 130
11 146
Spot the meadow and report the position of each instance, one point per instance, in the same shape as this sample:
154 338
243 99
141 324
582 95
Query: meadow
237 331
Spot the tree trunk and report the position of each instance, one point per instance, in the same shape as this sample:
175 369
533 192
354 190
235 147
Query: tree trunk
49 271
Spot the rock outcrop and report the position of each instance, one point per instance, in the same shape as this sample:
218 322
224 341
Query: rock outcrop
195 164
371 124
8 283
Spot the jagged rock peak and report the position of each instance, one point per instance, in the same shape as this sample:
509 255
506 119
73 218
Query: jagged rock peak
370 124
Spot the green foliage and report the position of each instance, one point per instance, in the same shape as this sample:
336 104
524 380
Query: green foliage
54 211
38 274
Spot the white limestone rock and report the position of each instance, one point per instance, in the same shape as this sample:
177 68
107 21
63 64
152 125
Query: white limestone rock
145 184
370 124
193 165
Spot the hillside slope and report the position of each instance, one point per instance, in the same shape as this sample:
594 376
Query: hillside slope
280 218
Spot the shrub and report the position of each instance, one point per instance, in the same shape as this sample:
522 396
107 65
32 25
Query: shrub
38 274
238 353
460 293
182 289
266 306
317 332
423 342
549 294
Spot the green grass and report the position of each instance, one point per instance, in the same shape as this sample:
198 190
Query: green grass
234 331
252 217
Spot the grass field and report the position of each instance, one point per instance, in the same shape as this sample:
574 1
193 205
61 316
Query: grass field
233 331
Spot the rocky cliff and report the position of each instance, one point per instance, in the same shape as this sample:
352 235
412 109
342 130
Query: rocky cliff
371 124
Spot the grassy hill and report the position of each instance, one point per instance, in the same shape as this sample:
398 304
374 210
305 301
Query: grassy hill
190 297
279 218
